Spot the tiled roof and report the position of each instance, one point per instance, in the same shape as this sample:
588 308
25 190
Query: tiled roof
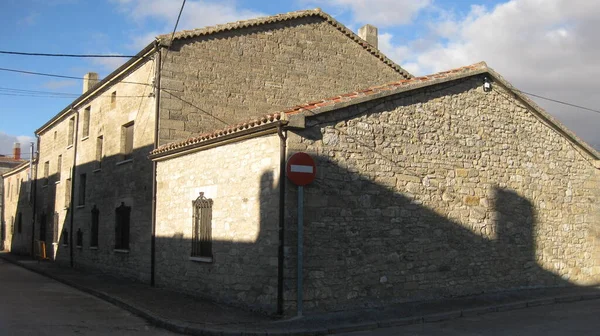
285 17
267 119
379 91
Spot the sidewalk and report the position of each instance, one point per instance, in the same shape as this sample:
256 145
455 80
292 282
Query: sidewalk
185 314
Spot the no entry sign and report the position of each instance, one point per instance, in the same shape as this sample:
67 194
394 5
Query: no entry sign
301 169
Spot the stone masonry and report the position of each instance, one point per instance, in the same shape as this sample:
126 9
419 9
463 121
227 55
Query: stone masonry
442 191
241 178
227 77
16 237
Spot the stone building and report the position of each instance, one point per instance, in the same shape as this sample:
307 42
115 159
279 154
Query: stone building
94 182
437 186
7 163
17 210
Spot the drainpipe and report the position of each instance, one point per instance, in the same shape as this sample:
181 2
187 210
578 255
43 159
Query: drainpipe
282 155
73 174
31 199
154 163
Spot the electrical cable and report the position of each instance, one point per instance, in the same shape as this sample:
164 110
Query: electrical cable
59 76
20 53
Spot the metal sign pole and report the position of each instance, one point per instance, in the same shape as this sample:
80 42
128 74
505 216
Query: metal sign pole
300 246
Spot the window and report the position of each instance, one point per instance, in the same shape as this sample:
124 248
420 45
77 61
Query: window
43 227
55 228
94 228
85 132
55 134
12 225
79 239
19 222
58 167
82 183
65 237
202 227
127 140
46 172
71 131
99 145
9 189
113 99
122 227
68 193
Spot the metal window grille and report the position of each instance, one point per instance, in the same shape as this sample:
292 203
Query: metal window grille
79 238
202 227
55 228
123 213
94 228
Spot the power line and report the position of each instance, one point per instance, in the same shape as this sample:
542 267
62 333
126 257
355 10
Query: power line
173 33
59 76
558 101
66 55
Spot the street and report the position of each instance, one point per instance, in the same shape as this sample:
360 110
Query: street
31 304
577 318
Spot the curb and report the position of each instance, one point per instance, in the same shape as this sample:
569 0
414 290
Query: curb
343 328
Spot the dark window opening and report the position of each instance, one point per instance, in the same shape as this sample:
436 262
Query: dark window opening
113 99
58 167
19 222
94 228
123 214
82 185
202 227
65 237
46 172
99 145
43 227
127 141
79 239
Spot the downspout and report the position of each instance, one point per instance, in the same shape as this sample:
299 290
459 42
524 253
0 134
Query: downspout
32 199
154 163
280 256
73 174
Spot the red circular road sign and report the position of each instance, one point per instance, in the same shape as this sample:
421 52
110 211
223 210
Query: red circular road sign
301 169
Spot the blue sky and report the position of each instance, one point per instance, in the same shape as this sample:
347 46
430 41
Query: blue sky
544 47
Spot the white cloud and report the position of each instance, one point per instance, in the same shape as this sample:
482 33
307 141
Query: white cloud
196 14
546 47
381 13
7 141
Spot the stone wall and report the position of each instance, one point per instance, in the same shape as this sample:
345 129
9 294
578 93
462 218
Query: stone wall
17 203
439 192
241 178
232 76
110 181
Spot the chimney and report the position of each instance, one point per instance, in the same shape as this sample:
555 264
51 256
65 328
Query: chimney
369 34
89 80
17 151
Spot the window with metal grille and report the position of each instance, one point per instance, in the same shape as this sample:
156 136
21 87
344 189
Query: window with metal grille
85 131
122 217
79 238
127 141
94 228
43 223
65 237
82 185
55 228
19 222
202 227
71 133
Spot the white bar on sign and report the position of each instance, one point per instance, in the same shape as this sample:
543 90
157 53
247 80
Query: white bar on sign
301 169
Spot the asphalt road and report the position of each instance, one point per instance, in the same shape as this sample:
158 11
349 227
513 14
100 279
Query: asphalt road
577 318
31 304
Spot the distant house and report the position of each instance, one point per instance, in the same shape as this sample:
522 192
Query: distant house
94 182
436 186
8 190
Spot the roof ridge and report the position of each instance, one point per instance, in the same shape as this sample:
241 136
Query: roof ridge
165 39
